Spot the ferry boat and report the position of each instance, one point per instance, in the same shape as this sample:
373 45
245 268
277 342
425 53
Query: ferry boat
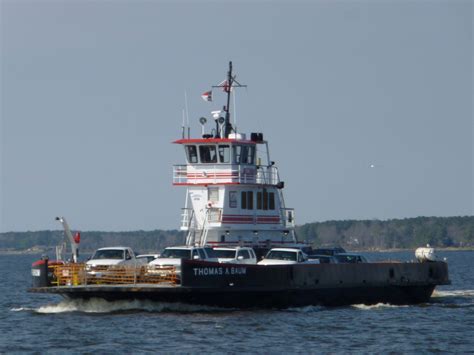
234 198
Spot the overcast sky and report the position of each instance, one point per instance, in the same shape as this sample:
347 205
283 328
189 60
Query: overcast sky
92 94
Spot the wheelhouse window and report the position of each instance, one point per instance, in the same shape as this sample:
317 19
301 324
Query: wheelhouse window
244 154
251 155
224 153
192 154
248 155
208 154
237 152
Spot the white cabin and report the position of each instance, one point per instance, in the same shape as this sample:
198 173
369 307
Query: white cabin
234 193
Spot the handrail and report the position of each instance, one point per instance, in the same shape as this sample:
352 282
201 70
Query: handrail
78 274
225 173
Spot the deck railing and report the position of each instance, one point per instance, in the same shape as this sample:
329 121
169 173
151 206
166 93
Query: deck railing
225 173
214 215
81 274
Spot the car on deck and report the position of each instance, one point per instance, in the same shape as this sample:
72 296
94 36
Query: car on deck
286 256
328 251
148 257
349 258
324 259
105 259
171 258
237 255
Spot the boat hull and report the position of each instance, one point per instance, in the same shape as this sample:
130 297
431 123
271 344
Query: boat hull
396 295
281 286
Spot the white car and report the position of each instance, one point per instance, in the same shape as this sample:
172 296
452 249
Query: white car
105 258
286 256
171 257
148 257
238 255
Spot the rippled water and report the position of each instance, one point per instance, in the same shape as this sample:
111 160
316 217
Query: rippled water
44 323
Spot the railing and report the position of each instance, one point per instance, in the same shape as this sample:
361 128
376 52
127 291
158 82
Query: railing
225 173
82 274
214 215
187 220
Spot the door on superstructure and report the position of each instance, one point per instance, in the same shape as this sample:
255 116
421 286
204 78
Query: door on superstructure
215 211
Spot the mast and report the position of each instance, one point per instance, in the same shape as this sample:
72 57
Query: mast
227 85
227 125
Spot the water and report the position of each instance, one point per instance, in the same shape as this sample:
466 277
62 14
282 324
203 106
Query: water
45 323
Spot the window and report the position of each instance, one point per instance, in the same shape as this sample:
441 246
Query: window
201 254
244 155
243 200
271 200
233 199
251 155
224 153
244 253
250 200
300 257
265 200
208 154
213 194
237 152
247 200
192 154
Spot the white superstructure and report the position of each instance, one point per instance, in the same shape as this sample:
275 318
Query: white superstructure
234 193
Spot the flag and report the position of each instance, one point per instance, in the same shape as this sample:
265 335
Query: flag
207 96
225 86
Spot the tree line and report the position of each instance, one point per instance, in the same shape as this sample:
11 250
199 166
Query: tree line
350 234
391 234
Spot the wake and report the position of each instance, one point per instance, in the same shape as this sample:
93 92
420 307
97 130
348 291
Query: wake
102 306
453 293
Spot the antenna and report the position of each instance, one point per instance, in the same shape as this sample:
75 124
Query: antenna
235 112
227 86
187 112
182 126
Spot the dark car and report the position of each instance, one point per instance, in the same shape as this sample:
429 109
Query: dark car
328 251
324 259
350 258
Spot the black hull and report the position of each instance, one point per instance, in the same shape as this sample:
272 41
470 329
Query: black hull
250 286
266 299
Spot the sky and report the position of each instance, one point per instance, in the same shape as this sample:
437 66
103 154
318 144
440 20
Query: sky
367 105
